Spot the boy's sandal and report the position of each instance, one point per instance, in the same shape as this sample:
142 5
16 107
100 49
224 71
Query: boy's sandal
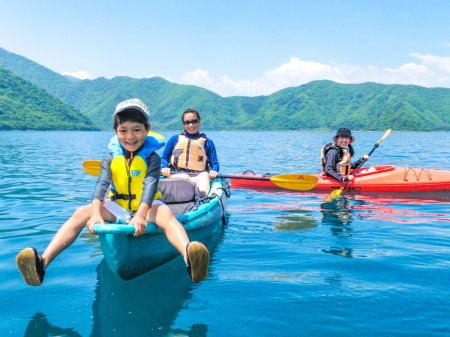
31 266
197 260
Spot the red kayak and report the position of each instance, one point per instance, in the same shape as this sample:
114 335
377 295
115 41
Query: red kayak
387 178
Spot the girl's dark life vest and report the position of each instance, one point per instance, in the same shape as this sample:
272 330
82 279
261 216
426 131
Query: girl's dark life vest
343 165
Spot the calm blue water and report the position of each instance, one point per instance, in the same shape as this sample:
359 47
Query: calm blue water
286 265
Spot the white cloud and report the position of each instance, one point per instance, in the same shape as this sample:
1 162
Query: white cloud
198 74
426 70
198 77
81 74
299 71
437 62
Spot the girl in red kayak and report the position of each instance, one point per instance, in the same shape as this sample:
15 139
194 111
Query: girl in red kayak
336 157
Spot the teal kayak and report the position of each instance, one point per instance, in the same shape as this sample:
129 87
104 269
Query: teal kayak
129 256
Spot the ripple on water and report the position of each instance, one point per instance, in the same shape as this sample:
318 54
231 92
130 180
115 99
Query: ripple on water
54 304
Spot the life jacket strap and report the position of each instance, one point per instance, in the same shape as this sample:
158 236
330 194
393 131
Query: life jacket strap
116 196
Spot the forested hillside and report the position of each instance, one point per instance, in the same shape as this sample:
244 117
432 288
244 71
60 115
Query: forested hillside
318 105
25 106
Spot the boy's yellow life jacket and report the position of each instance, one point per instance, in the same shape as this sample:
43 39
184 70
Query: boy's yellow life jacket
189 154
128 175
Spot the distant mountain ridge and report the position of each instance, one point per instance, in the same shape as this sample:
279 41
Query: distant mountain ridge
317 105
25 106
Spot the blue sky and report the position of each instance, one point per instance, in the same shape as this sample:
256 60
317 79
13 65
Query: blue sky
236 47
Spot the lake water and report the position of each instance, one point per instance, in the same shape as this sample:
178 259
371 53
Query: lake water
286 265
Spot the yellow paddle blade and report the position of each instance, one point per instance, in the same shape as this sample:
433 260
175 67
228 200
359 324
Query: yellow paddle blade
295 181
156 135
388 131
334 195
92 167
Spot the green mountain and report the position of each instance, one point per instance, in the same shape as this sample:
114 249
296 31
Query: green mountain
318 105
25 106
367 106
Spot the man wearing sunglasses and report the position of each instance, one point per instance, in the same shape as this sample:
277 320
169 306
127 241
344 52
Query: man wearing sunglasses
191 155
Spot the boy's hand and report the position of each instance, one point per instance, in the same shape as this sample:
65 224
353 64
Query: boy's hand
92 221
139 223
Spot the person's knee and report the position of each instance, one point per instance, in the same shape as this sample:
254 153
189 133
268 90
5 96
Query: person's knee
159 213
164 211
84 211
203 183
203 175
180 176
202 179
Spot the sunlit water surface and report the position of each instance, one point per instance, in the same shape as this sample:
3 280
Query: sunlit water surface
287 264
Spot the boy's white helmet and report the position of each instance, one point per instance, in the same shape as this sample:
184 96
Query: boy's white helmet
133 103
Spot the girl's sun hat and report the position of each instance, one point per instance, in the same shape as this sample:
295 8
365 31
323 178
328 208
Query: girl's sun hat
344 132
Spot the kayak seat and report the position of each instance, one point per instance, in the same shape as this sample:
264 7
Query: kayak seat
179 195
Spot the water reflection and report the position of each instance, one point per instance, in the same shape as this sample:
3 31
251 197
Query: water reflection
338 214
411 208
146 306
345 252
335 280
38 326
196 330
295 219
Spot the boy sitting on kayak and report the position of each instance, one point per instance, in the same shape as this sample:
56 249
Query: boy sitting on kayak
131 165
336 157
